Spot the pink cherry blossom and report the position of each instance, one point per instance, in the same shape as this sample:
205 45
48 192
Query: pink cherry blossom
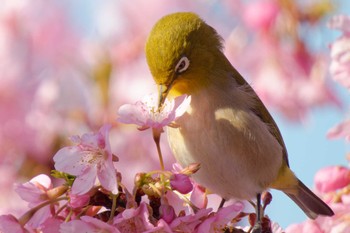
339 222
290 80
331 178
167 213
181 183
35 192
10 224
145 113
188 223
307 227
87 224
91 160
340 22
76 201
51 225
219 220
260 15
340 51
199 196
162 227
341 130
134 220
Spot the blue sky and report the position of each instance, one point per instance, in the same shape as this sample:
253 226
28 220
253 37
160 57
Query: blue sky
309 149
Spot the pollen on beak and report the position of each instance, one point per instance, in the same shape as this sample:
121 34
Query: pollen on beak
163 92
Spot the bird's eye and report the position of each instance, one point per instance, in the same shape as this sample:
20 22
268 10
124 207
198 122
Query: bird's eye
182 65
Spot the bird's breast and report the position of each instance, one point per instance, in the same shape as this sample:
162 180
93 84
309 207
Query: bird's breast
239 157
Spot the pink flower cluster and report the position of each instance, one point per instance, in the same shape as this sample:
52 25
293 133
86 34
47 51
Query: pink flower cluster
333 184
340 50
94 198
44 85
288 75
91 161
340 67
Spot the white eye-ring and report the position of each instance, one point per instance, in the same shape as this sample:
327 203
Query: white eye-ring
182 65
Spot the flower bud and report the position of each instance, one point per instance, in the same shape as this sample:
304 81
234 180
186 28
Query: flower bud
167 213
266 198
191 169
56 192
181 183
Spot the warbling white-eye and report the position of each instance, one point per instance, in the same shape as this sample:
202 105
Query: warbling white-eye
227 129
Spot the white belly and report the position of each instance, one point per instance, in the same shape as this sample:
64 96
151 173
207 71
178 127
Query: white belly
239 157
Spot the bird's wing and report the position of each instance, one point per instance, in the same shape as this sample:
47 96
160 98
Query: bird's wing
261 111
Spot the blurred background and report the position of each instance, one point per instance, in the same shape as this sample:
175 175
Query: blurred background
66 67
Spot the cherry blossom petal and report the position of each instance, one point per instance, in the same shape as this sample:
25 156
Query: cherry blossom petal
69 160
219 220
162 227
145 113
39 217
89 160
76 226
189 223
77 201
260 15
167 213
331 178
199 197
305 227
340 55
83 183
340 22
107 176
181 183
340 50
9 224
29 192
51 225
134 220
87 224
339 131
34 191
99 224
42 180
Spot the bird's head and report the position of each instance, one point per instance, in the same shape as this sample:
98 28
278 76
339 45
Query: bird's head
181 51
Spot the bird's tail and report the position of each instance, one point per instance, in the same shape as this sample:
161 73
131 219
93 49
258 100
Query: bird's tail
311 204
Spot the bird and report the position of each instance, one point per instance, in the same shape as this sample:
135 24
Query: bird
226 129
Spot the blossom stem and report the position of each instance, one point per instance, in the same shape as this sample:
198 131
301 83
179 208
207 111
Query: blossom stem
61 209
114 206
156 137
84 210
68 218
186 200
165 173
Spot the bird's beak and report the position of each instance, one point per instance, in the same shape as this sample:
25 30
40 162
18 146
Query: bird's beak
163 91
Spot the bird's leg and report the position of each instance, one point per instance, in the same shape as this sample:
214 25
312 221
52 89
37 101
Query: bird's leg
257 226
222 203
258 207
